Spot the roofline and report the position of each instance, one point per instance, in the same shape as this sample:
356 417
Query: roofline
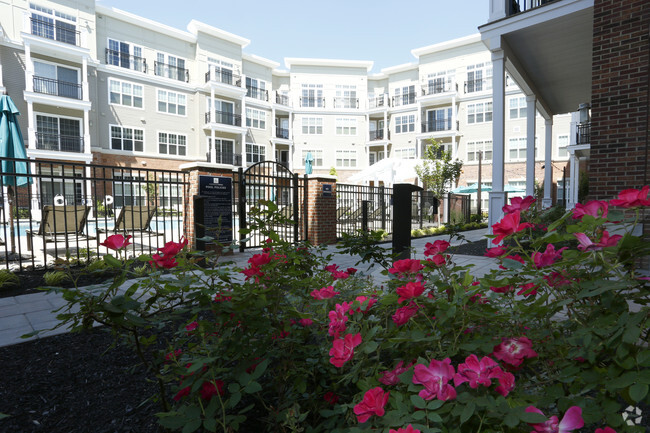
197 26
260 60
144 22
446 45
399 68
295 61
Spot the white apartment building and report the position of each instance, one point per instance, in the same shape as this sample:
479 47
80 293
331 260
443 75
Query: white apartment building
101 85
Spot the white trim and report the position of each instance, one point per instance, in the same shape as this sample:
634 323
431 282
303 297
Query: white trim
134 152
447 45
167 103
194 27
294 61
108 88
143 22
178 146
260 60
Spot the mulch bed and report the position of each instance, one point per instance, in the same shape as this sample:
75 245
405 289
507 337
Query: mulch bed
72 383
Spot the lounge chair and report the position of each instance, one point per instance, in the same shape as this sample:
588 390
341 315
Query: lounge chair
61 222
134 219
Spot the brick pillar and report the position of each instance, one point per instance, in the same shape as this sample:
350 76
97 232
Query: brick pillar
321 210
195 169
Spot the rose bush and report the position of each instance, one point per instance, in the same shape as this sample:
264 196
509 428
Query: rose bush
552 340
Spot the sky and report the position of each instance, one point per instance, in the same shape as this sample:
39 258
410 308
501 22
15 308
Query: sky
382 31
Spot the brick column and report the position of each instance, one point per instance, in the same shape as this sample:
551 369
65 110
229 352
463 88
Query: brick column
321 210
195 169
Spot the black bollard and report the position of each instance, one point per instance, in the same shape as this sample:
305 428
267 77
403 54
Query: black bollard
402 219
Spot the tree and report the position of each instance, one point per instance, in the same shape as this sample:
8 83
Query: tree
438 172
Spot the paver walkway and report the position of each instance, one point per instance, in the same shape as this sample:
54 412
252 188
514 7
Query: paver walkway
20 315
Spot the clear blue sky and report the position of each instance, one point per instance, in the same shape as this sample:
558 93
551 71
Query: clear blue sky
382 31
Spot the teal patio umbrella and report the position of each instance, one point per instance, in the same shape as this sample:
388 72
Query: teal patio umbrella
470 189
309 163
12 146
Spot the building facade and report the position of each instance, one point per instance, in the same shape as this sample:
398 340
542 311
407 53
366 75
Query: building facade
101 85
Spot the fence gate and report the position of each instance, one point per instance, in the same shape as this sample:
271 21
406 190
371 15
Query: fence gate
272 181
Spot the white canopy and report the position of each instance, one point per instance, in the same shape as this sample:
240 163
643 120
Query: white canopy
388 171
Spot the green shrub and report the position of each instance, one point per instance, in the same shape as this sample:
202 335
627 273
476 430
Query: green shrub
55 278
417 233
8 280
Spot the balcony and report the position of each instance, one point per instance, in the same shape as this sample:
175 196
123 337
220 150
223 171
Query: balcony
312 102
346 103
378 135
61 31
223 77
282 99
406 99
517 6
225 158
171 71
257 93
479 85
59 143
438 125
439 88
379 101
583 135
50 86
124 60
223 117
282 133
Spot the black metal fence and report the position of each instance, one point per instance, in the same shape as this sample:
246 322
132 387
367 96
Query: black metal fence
360 207
459 206
64 210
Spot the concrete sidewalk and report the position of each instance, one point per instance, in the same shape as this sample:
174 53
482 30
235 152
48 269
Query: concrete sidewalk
21 315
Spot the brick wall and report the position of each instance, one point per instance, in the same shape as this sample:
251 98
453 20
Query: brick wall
321 211
619 146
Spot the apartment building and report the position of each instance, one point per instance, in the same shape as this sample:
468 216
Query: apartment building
101 85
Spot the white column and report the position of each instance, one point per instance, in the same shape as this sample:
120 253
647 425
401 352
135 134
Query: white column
273 125
243 149
88 192
29 69
547 201
497 197
84 80
291 119
31 126
531 113
572 190
454 151
213 147
291 150
86 147
386 127
498 9
368 128
36 204
243 125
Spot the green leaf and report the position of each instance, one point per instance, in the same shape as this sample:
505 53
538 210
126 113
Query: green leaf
192 425
112 261
252 388
233 387
643 358
467 413
370 347
418 402
638 391
434 417
532 417
260 369
235 398
210 424
435 404
512 264
418 415
632 334
511 420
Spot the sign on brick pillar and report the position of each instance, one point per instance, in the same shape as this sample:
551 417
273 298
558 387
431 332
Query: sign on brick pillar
195 169
321 210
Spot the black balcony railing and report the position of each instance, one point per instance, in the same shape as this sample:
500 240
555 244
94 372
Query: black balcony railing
312 102
171 71
379 101
443 124
59 31
257 93
378 135
479 85
584 133
516 6
59 143
223 117
405 99
225 77
346 102
225 158
282 133
281 99
125 60
54 87
437 88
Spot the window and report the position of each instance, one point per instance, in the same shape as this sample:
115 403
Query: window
129 189
172 144
346 126
438 120
517 148
374 157
59 134
518 108
256 89
312 125
56 80
473 148
255 153
317 154
172 102
479 78
479 113
125 93
125 55
51 24
439 82
255 118
312 96
124 138
170 191
223 71
346 158
404 96
406 153
170 67
405 123
224 152
561 189
346 96
563 146
224 112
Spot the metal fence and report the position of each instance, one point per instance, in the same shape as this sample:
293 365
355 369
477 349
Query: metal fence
64 210
459 209
363 207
